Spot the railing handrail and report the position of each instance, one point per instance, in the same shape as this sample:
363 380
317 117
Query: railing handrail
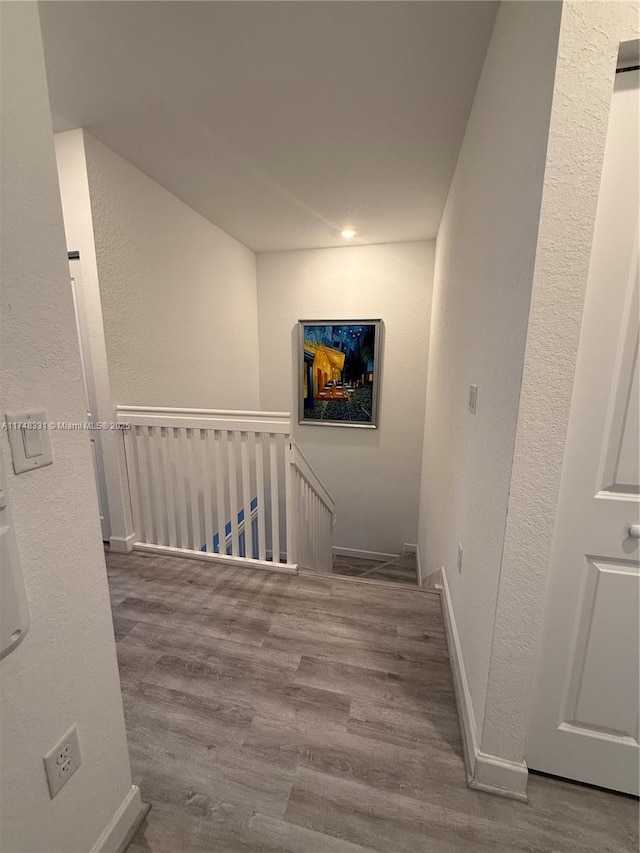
211 412
301 463
243 421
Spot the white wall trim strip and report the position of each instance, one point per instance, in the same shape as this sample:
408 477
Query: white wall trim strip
122 544
498 776
223 559
484 772
123 825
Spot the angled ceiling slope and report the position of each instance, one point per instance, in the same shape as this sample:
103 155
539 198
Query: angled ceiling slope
279 121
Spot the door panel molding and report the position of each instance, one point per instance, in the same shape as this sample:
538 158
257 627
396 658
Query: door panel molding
584 708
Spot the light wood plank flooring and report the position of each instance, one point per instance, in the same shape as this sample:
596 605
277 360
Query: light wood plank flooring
401 569
269 713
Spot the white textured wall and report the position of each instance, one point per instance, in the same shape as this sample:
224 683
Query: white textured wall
178 294
588 48
482 285
65 669
373 475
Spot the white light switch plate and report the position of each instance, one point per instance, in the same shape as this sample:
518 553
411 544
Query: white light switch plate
24 430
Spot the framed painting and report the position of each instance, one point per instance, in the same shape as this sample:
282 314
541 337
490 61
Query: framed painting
339 372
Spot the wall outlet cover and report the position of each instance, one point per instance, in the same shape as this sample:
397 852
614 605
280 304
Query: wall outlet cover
473 398
62 761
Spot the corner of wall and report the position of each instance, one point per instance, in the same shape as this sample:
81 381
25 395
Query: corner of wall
65 670
391 281
590 35
485 259
484 772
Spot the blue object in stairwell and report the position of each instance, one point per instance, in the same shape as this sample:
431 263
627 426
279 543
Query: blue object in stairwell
241 535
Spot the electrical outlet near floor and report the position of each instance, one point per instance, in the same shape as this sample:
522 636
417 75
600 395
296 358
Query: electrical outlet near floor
62 761
460 552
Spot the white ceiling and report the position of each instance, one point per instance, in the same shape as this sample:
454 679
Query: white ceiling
278 121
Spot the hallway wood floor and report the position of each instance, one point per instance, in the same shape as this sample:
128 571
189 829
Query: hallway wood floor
270 713
401 569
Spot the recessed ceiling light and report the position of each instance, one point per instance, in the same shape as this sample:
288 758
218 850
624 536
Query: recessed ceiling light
348 233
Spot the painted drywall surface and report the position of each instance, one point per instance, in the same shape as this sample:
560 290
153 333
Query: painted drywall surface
482 284
253 114
178 295
65 669
589 40
78 226
373 475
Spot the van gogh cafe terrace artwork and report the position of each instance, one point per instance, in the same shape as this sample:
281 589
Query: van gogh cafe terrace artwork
339 367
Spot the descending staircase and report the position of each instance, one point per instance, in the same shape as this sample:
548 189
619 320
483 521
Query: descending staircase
228 540
401 569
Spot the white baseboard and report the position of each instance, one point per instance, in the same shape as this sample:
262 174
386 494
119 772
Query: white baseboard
463 696
123 825
366 555
499 776
222 559
122 544
484 772
408 548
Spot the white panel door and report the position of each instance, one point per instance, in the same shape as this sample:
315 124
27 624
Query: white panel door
584 722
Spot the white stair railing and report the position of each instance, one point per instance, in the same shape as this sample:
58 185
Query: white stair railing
224 485
208 482
313 511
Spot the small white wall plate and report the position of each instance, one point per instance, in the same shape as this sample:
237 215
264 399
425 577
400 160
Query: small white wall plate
29 440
